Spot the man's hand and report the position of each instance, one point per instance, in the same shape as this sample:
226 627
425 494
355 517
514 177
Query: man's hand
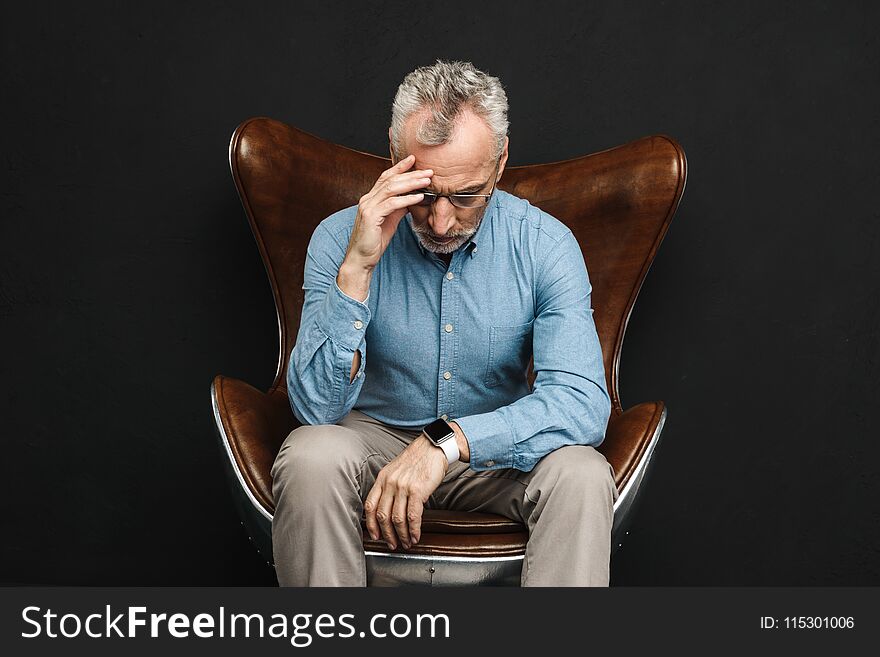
395 503
380 211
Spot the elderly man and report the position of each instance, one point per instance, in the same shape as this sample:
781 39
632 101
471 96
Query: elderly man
423 305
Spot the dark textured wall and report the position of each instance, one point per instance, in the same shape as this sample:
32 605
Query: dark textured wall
129 276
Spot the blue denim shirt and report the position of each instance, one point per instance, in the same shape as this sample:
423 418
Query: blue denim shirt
456 342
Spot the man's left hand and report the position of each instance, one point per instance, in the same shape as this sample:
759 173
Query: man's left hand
395 503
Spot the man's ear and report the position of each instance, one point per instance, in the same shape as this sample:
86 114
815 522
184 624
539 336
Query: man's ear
503 160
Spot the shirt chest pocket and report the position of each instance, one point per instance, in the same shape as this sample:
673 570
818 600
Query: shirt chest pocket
510 348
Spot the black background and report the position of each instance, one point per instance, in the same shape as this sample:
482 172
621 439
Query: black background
129 276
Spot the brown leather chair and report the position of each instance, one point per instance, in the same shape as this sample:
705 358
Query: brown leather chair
618 202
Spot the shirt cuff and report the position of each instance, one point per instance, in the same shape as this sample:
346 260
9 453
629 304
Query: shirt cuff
490 440
344 320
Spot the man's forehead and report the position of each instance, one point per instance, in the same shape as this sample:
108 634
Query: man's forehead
455 174
466 157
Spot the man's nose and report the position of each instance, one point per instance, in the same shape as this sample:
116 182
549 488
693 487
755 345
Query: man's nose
442 216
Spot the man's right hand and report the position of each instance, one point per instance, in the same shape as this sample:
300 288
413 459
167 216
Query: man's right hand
380 211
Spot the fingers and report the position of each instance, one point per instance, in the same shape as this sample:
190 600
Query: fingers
373 202
396 169
399 519
403 184
377 511
406 183
370 506
402 165
391 194
384 180
398 203
414 519
383 516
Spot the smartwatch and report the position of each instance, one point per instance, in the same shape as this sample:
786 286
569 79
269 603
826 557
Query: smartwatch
441 435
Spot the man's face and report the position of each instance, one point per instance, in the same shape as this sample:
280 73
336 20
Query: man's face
463 165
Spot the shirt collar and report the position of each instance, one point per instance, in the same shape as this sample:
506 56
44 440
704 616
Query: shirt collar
471 245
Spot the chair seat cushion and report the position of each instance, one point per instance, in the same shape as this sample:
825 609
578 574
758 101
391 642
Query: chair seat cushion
461 533
467 522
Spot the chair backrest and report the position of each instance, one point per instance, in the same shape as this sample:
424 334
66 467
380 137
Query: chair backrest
618 203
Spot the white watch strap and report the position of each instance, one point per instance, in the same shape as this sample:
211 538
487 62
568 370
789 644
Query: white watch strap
450 448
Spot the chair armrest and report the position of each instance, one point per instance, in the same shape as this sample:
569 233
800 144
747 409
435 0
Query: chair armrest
628 437
254 424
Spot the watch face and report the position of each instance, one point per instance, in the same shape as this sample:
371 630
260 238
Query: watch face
438 431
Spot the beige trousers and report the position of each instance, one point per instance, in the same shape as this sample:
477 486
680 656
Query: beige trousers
323 473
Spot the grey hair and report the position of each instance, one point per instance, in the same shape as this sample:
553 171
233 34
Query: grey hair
447 88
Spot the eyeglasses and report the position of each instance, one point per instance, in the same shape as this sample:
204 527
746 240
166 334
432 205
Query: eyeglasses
464 201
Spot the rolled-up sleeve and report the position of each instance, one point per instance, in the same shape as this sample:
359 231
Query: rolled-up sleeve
569 404
332 327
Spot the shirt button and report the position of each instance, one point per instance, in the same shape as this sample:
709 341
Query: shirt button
358 324
489 464
360 375
444 416
448 328
447 375
449 276
475 250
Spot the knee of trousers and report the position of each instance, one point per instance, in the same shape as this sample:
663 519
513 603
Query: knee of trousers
316 460
575 470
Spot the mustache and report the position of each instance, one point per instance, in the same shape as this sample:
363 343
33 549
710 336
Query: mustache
427 232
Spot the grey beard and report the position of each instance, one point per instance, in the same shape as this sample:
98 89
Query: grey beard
430 245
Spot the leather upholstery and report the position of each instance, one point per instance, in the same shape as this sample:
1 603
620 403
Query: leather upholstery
618 202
